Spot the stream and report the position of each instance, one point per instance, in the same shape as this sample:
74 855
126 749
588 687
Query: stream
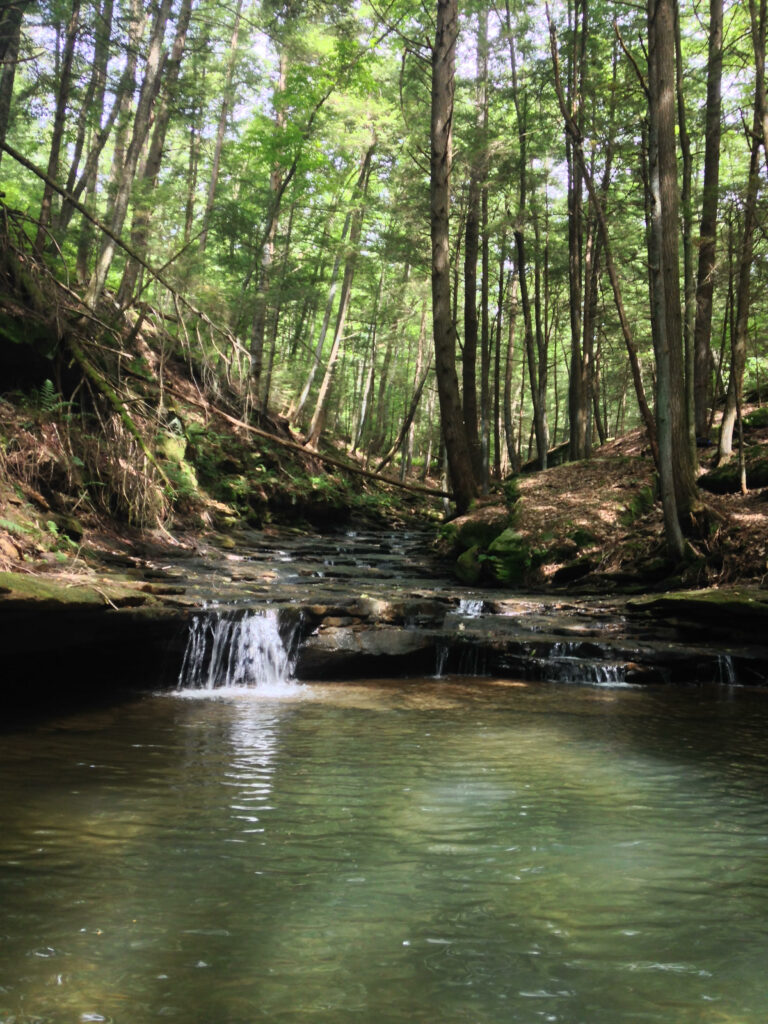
512 829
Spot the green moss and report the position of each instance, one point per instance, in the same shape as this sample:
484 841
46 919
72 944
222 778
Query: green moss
468 566
757 418
726 479
509 557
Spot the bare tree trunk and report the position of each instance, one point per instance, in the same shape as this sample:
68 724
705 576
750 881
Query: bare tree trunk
509 425
667 340
62 98
126 174
11 18
227 100
321 405
702 337
441 159
610 266
318 353
268 249
92 106
469 348
142 216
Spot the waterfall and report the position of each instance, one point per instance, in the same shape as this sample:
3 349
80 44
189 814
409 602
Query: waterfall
228 650
470 607
726 670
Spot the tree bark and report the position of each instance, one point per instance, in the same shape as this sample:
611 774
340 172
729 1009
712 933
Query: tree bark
667 332
444 329
125 175
142 216
321 405
62 98
702 333
268 249
10 40
227 100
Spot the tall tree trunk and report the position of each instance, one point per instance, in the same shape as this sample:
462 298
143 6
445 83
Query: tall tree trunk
689 282
227 101
667 326
92 106
62 98
321 405
509 423
539 414
743 288
578 385
11 18
702 336
125 175
610 266
118 120
469 349
142 216
268 250
444 330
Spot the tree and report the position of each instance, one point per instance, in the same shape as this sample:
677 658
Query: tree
444 330
705 284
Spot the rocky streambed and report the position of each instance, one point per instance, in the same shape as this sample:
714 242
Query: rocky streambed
359 603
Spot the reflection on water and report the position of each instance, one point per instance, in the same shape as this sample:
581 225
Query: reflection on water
434 852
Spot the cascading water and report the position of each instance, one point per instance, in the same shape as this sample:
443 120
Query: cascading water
235 651
470 607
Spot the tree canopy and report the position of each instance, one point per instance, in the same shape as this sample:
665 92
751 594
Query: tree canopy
259 177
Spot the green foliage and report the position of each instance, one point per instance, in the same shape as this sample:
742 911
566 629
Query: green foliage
757 419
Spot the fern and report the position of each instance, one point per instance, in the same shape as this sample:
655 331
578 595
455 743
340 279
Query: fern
48 397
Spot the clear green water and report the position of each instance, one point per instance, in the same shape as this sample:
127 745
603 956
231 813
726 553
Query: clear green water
430 853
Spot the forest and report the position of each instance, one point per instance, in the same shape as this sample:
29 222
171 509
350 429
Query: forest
439 242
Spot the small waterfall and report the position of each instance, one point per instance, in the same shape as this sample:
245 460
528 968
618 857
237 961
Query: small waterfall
227 650
441 657
470 608
565 664
726 670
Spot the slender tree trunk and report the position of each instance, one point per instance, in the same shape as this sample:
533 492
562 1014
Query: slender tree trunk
702 344
62 98
689 281
92 106
509 422
227 100
610 266
11 18
268 250
321 405
667 333
142 216
441 158
125 175
539 420
469 350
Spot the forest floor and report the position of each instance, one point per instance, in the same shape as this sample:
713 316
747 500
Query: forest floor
611 498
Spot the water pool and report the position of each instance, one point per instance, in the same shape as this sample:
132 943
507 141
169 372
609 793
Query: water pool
429 852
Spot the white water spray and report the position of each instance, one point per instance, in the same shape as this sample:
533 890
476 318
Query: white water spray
227 652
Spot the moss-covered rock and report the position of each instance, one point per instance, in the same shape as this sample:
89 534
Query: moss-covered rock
468 566
726 479
478 528
509 557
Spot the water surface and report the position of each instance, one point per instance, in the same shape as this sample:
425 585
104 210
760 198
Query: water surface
433 853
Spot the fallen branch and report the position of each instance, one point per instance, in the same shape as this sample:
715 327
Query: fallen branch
349 467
